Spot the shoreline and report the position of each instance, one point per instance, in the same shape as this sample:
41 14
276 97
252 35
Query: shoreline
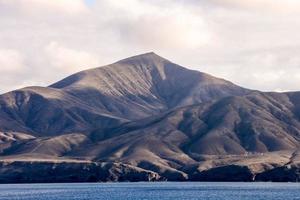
17 172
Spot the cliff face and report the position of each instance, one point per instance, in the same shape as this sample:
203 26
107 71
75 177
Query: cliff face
145 118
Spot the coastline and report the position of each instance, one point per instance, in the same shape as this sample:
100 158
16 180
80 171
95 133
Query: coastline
92 172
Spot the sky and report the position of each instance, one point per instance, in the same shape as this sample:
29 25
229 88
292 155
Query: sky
253 43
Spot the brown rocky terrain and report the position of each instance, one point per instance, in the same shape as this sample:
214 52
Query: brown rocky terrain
145 118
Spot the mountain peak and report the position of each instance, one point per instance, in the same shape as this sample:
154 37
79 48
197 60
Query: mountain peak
145 57
144 84
151 53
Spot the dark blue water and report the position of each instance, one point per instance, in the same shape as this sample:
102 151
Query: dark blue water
150 191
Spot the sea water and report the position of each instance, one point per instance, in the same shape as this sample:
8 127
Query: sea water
151 191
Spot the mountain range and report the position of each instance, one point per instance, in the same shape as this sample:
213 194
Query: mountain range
145 118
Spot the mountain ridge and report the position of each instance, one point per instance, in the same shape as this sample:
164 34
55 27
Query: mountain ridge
125 90
152 116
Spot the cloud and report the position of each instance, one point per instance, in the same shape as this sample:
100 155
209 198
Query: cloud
154 24
254 43
42 6
12 66
11 61
275 6
264 69
69 60
166 29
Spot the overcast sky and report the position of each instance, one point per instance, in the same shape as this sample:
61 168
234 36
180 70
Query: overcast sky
253 43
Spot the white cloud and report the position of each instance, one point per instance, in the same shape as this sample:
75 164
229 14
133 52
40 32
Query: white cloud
169 29
255 43
11 61
275 6
154 24
69 60
45 6
12 67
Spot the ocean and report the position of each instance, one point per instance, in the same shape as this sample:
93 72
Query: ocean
151 191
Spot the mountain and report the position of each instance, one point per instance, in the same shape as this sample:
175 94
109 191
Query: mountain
146 118
130 89
144 85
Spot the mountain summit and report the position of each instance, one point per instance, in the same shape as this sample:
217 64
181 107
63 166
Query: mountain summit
146 118
131 89
144 85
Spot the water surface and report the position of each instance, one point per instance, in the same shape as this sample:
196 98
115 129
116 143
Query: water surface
150 191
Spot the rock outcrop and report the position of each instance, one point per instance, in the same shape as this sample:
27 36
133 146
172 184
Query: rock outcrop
58 171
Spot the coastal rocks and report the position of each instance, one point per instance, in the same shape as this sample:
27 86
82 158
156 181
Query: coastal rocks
281 174
124 172
50 172
237 173
229 173
85 171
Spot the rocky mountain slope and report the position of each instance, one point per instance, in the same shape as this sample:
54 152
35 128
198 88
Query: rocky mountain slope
130 89
146 118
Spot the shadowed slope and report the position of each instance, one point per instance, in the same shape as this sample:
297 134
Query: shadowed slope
225 131
255 123
47 111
